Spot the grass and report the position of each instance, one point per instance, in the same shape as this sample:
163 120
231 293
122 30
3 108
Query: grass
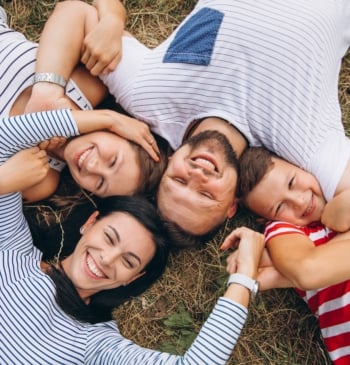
280 329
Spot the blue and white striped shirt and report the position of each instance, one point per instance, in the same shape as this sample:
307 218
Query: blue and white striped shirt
34 330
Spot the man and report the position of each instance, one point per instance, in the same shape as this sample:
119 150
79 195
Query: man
260 73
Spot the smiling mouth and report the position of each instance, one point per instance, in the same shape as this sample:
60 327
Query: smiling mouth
79 160
310 209
93 269
205 162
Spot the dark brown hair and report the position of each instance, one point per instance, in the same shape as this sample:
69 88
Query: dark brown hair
151 171
254 163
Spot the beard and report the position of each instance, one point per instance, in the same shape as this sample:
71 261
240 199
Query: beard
214 139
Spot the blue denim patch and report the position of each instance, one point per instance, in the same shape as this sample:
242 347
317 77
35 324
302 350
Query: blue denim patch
195 40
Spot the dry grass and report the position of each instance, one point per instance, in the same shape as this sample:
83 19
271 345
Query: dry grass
280 329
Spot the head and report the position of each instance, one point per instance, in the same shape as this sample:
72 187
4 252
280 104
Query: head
278 190
123 249
197 190
107 164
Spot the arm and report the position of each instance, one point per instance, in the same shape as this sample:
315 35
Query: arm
336 214
226 320
307 266
59 52
78 17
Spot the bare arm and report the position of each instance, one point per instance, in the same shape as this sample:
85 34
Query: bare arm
59 52
307 266
336 214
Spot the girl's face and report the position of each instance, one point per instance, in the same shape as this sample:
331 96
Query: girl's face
287 193
103 163
112 251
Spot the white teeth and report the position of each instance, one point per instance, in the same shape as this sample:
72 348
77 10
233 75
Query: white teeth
93 268
205 163
83 157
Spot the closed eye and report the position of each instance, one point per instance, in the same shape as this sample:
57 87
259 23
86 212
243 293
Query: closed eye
100 184
278 209
291 182
113 162
207 195
179 180
128 263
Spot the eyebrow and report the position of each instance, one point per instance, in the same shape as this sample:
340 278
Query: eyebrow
118 239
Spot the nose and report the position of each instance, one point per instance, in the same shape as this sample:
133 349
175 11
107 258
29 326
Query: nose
95 166
297 199
197 177
92 164
109 256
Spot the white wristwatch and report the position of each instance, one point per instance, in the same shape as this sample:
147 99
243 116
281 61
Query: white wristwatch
245 281
50 77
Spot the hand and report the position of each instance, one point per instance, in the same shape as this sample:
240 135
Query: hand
47 96
138 132
53 143
102 47
336 214
248 255
23 170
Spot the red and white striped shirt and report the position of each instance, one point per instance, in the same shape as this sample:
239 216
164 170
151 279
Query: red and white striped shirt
330 304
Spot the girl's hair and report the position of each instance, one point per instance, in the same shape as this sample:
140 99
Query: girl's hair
151 171
101 304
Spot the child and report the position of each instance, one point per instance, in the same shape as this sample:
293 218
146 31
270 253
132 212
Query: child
292 200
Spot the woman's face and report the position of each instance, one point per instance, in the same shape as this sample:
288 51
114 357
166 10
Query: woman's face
103 163
112 252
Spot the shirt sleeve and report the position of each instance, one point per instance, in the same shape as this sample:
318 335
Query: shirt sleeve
275 229
23 131
213 345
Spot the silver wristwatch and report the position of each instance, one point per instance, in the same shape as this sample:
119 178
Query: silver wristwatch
245 281
50 77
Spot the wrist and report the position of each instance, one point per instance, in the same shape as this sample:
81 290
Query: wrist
245 281
51 78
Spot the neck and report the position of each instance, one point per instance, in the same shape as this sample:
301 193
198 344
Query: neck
235 137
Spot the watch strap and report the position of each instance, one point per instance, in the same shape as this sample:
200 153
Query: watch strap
245 281
50 77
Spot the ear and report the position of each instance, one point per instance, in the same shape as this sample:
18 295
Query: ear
135 277
232 209
90 221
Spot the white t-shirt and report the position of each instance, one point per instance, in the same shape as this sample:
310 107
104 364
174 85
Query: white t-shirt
269 68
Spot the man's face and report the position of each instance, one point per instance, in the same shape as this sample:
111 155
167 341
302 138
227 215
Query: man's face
287 193
197 190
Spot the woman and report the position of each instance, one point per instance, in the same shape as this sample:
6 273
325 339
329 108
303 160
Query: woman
125 168
58 312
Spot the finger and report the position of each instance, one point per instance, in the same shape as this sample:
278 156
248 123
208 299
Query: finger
151 150
231 241
153 143
91 63
85 55
111 66
97 68
43 145
56 142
